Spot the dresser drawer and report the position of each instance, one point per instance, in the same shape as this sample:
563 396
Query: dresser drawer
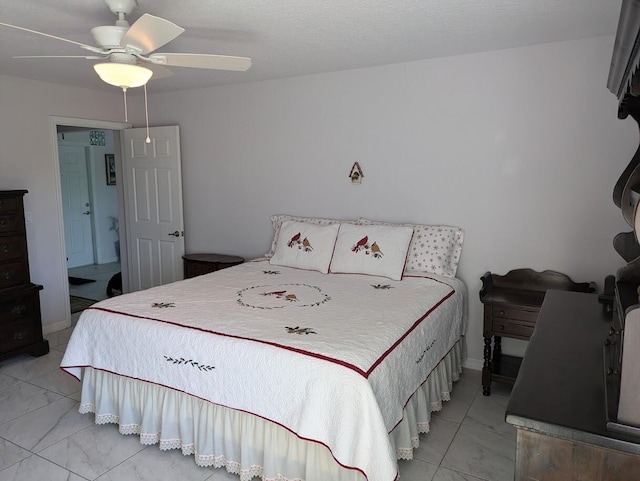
12 247
15 335
509 328
11 222
10 204
517 314
13 274
19 307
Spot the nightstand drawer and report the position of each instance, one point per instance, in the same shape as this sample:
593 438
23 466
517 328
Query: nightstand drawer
193 269
518 314
199 264
512 329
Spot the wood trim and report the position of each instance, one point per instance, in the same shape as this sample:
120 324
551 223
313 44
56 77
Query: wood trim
540 457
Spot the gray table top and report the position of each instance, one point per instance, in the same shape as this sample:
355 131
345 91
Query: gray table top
560 390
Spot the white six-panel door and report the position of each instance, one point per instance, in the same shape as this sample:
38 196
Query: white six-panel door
153 201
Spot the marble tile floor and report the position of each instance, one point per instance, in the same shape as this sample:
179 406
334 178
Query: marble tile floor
43 437
93 290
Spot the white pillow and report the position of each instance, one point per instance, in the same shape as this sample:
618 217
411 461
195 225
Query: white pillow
434 248
376 250
305 246
277 220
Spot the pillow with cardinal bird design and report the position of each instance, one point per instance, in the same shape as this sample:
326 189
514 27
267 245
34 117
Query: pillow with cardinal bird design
433 249
277 220
377 250
305 246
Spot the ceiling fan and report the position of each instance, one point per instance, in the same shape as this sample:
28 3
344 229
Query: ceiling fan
129 50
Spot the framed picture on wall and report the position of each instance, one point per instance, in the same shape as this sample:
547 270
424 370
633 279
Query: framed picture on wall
110 163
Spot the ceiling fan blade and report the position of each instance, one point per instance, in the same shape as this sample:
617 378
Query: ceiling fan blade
159 71
92 57
149 33
85 46
198 60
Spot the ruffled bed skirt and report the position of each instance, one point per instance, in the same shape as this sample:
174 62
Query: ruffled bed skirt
242 443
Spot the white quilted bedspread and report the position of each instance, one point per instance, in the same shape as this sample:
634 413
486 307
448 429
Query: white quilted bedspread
333 358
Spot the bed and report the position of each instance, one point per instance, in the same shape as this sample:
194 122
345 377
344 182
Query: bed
278 371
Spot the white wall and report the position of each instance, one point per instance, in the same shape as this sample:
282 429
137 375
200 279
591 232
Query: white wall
521 148
27 162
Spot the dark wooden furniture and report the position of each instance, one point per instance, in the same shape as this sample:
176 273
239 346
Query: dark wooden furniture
557 404
20 321
198 264
511 306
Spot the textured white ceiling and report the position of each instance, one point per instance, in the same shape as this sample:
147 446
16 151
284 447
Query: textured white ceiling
297 37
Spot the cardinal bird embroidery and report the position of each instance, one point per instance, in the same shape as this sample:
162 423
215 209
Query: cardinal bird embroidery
277 294
361 244
377 253
294 240
306 245
282 295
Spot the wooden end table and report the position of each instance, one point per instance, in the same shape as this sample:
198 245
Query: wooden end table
199 264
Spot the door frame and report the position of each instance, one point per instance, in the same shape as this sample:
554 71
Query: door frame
54 121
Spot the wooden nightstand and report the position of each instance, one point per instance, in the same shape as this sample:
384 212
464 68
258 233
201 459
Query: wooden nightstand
511 306
199 264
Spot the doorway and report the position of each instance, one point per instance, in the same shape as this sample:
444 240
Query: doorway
90 274
90 212
164 201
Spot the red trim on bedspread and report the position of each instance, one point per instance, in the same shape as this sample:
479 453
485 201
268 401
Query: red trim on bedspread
415 324
364 374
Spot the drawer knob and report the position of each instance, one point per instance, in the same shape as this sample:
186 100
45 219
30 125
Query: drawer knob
502 313
4 222
20 335
8 274
19 309
5 247
501 327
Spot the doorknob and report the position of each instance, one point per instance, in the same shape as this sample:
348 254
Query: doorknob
87 212
175 234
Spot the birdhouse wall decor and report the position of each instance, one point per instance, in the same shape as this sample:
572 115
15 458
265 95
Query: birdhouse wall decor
356 174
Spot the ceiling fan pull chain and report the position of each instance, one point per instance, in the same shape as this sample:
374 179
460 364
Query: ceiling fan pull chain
124 92
146 114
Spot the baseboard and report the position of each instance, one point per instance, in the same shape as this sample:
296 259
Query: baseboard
55 326
108 260
471 363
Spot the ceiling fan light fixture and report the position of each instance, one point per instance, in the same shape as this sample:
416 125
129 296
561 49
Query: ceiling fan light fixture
123 75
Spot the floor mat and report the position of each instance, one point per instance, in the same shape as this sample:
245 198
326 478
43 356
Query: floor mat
78 281
80 303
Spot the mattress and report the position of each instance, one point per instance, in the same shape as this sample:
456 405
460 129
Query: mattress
333 359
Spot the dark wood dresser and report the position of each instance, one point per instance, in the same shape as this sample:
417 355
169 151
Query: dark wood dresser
558 406
20 320
511 306
199 264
